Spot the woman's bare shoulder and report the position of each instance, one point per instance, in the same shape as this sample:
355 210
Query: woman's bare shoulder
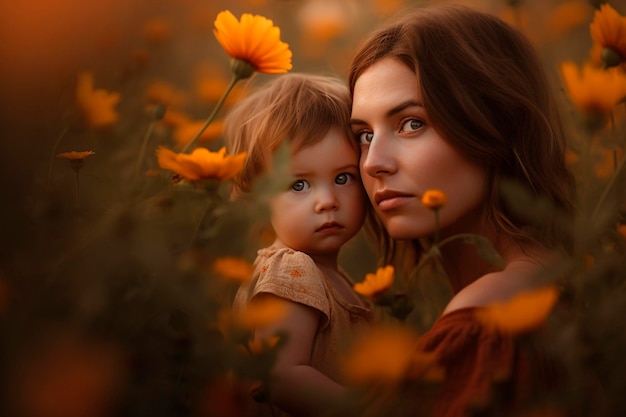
496 287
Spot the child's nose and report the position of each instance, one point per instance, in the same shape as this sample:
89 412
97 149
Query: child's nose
326 200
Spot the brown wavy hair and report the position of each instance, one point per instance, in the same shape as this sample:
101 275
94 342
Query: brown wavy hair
486 92
300 108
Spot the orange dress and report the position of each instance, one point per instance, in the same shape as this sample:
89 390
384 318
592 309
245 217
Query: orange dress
486 371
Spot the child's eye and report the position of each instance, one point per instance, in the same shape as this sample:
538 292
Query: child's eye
343 178
412 125
300 185
364 138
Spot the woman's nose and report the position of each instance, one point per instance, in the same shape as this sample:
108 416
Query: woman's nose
326 200
377 159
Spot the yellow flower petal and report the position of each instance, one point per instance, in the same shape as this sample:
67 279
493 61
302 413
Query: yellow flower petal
258 346
165 93
382 354
201 164
593 90
97 106
233 268
434 199
255 40
261 313
377 283
75 154
520 314
608 29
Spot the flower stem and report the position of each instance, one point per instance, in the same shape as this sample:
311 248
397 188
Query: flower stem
54 151
77 171
205 208
608 188
144 145
436 226
209 119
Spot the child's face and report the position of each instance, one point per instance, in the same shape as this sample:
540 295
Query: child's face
403 155
325 205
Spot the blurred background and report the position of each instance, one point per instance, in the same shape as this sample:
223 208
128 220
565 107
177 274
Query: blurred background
105 306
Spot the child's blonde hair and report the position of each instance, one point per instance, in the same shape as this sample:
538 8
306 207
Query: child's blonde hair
300 108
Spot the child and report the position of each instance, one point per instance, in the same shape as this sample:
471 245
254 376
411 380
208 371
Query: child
322 209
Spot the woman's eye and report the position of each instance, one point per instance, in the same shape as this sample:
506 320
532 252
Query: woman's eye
364 138
343 178
412 125
300 185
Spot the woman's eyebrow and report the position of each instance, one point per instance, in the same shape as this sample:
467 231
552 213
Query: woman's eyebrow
402 106
393 111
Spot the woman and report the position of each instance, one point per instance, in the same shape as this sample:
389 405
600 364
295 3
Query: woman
453 99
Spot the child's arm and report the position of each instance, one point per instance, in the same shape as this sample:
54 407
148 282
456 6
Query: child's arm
297 387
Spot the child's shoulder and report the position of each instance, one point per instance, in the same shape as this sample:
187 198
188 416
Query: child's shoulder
286 261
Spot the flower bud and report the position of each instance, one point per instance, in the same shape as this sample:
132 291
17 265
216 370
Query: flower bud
240 68
158 111
434 199
611 58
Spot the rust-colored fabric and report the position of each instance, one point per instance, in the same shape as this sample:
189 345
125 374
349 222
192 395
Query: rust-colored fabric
484 368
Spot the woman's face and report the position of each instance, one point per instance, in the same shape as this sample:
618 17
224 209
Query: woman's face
402 156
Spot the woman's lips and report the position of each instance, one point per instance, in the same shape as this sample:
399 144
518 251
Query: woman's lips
389 199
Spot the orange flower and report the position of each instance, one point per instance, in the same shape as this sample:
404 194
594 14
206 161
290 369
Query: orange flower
175 118
261 313
157 30
76 158
233 268
377 283
434 199
165 93
75 155
382 354
254 40
258 346
621 229
608 31
96 106
521 313
323 20
593 90
201 164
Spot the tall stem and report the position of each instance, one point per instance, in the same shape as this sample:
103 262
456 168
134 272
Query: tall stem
618 168
54 151
144 145
209 119
608 188
436 226
205 207
77 188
